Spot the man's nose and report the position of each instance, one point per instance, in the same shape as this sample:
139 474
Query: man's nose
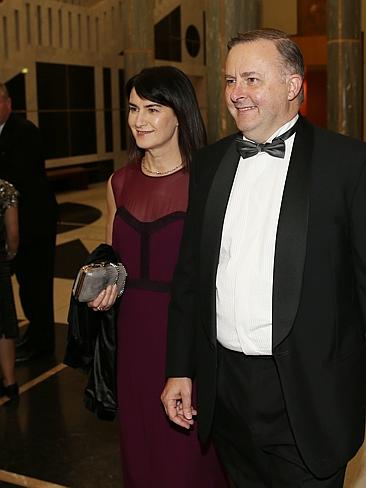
237 92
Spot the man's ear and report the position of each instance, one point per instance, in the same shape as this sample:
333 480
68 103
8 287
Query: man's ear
294 83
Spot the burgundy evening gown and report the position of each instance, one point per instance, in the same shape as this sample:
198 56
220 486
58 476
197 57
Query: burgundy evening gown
146 235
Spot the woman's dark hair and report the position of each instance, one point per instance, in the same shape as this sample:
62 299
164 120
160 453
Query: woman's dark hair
170 87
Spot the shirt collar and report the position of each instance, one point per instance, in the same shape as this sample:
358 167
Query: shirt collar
281 130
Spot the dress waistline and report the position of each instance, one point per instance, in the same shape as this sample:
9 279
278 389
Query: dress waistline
150 285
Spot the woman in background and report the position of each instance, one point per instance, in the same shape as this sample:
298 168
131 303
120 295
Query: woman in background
9 240
146 206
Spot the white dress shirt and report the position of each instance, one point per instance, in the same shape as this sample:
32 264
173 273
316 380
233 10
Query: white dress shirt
245 271
1 127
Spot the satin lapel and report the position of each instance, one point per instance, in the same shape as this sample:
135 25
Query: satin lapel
213 221
291 236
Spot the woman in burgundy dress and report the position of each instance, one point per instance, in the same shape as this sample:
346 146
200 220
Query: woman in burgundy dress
146 205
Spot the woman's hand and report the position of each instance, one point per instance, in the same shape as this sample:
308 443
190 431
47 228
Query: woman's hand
11 252
105 300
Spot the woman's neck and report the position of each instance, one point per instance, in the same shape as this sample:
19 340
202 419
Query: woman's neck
166 162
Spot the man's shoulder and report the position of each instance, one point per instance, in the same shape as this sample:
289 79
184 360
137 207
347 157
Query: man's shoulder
17 122
343 156
337 141
217 148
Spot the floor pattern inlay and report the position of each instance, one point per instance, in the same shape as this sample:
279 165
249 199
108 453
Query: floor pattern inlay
20 480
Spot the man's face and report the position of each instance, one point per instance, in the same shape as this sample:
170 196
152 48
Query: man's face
5 108
259 93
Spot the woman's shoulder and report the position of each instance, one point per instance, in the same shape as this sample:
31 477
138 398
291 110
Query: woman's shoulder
128 169
8 188
123 175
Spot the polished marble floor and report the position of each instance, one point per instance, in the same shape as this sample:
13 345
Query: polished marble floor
48 438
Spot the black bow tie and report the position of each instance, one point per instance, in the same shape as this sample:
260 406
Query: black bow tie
275 148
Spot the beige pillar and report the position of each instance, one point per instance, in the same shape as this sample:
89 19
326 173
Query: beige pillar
138 28
225 18
344 88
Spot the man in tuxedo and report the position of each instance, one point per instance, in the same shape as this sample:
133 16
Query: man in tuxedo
269 298
22 164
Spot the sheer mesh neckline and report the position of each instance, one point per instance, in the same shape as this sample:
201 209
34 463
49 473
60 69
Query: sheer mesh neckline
149 198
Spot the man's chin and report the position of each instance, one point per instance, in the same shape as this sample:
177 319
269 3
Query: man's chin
246 129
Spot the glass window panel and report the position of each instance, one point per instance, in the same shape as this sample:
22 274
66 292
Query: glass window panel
83 133
81 87
51 86
55 134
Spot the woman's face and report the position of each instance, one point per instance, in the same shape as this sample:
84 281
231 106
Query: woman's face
153 126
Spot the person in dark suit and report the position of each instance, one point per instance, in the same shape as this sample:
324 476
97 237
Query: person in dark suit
22 164
269 298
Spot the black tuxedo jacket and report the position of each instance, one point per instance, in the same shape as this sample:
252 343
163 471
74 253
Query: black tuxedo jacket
319 290
22 164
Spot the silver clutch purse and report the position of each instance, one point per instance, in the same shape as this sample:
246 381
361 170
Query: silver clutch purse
93 278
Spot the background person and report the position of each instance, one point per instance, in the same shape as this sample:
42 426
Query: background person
22 164
9 240
269 298
147 202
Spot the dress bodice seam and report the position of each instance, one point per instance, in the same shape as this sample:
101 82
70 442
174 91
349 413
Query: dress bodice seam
149 226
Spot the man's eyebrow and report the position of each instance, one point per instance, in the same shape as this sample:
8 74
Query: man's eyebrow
245 74
248 74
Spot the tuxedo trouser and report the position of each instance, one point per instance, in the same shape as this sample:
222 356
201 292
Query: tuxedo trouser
251 430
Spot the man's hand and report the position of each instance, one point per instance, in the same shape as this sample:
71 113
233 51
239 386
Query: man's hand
177 401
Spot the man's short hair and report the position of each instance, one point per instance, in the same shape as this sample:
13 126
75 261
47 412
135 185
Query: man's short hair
289 51
4 91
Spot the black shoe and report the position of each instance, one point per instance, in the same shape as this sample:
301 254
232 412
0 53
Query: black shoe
10 391
27 353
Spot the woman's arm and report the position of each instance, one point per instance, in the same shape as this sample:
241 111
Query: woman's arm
12 231
111 210
107 297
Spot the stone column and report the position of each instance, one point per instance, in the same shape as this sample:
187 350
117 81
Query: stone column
225 18
344 88
138 28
